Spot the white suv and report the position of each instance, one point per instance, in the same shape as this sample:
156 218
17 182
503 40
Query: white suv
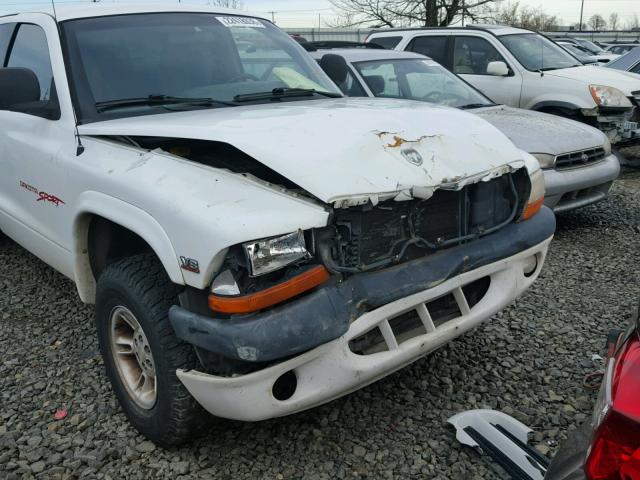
524 69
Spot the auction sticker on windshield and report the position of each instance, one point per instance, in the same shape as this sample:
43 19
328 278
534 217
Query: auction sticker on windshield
240 22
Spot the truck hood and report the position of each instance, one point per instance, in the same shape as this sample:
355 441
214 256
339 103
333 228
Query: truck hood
537 132
345 150
589 75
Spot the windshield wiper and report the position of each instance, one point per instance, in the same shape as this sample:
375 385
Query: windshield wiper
160 100
469 106
278 93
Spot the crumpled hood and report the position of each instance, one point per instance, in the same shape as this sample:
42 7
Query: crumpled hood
537 132
589 75
346 148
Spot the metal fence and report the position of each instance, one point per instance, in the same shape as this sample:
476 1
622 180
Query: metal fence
321 34
359 35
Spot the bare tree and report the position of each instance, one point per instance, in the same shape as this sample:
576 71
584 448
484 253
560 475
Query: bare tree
525 17
634 23
614 21
597 22
400 13
237 4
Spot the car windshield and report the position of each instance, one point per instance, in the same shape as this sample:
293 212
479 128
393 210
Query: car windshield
626 61
536 52
578 52
139 64
591 47
418 79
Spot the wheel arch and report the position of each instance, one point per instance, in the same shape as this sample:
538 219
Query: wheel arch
95 206
555 105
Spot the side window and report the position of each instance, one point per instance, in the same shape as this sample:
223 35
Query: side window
30 50
6 31
434 47
636 68
471 55
386 42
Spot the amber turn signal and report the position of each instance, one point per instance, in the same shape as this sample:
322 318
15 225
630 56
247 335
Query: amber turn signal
272 295
532 208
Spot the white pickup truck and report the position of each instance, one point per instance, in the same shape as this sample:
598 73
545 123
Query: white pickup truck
253 242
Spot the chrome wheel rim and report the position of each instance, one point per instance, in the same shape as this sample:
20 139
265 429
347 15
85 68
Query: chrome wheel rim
133 358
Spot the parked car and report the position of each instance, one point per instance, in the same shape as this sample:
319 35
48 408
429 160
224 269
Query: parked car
576 159
607 447
524 69
590 47
629 62
622 48
212 201
585 55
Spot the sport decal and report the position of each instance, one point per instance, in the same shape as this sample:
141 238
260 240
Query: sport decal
42 196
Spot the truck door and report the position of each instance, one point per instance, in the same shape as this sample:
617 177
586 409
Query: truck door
33 207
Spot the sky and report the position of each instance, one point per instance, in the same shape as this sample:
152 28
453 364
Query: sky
308 13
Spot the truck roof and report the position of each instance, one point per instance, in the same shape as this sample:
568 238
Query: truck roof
88 10
490 28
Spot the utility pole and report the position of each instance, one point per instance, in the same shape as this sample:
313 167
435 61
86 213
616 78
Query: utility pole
273 16
581 10
463 13
319 20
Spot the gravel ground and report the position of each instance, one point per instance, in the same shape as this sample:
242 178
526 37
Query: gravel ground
529 361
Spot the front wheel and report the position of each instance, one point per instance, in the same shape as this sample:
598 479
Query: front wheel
141 352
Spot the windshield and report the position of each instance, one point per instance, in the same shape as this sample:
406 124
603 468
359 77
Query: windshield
536 52
626 61
417 79
172 58
578 52
591 47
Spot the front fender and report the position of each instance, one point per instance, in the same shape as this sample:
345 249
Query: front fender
572 105
128 216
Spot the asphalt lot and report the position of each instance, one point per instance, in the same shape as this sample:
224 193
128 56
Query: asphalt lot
528 361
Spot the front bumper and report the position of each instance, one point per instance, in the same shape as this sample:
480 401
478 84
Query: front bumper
621 130
576 187
332 369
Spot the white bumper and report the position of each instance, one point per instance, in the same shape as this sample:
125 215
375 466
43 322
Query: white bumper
333 370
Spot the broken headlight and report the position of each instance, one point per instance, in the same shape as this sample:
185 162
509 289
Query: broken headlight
536 197
271 254
609 97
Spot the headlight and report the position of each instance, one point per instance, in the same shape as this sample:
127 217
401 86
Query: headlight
545 160
608 96
536 197
607 147
271 254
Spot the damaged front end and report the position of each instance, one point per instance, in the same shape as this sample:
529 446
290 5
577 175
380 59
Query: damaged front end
368 237
620 125
279 297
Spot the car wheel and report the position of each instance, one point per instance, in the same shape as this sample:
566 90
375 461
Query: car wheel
141 352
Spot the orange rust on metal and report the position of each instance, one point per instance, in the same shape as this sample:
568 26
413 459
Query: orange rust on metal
397 142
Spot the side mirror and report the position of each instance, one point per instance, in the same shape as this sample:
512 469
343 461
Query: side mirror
336 67
18 86
499 69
